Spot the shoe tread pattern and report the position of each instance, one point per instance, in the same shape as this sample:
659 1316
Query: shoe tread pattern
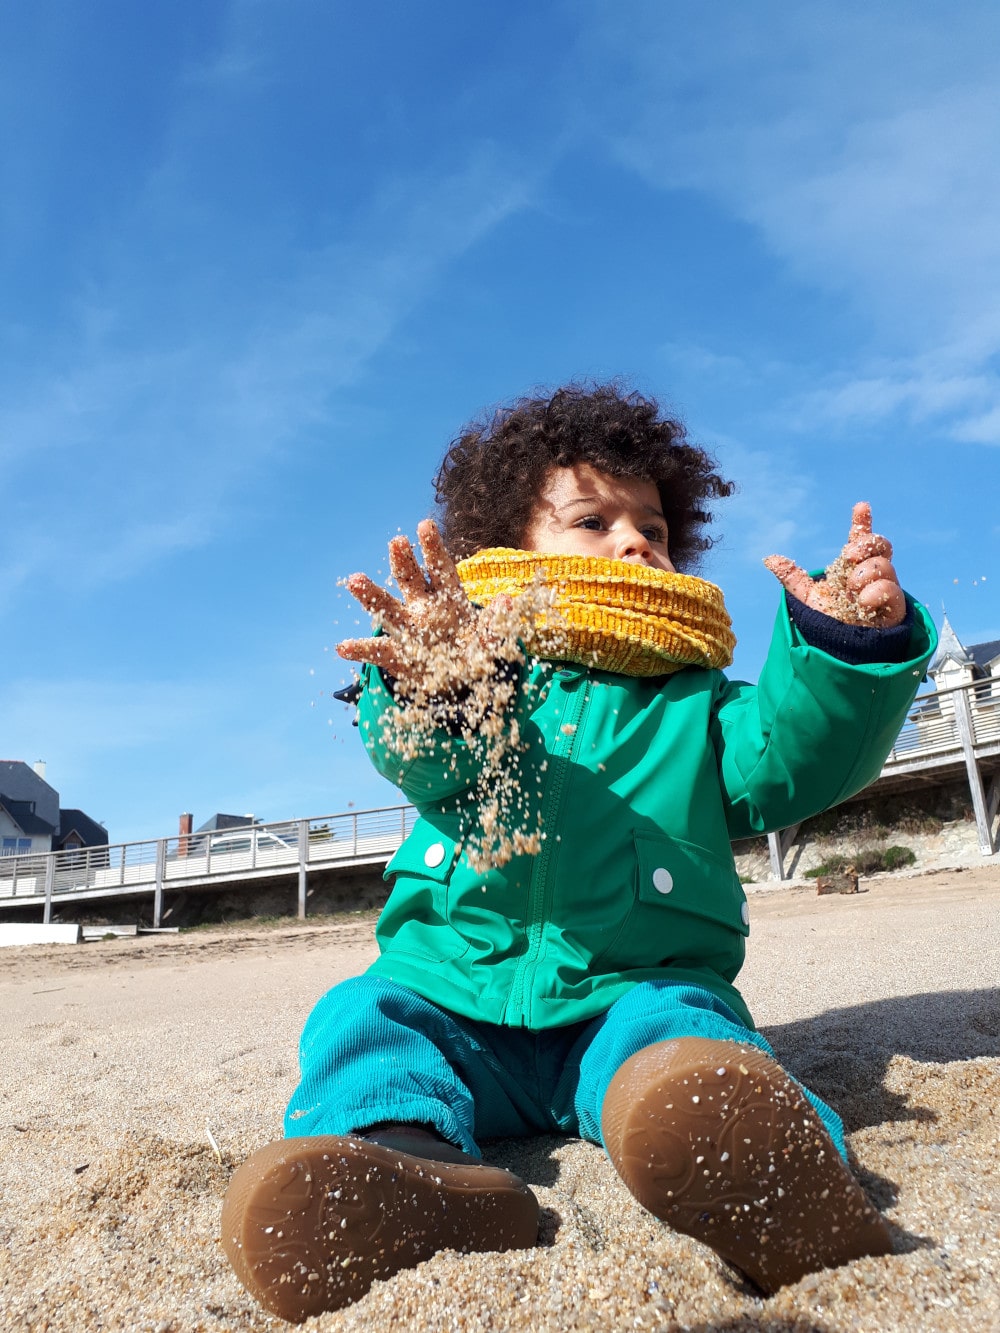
309 1224
717 1140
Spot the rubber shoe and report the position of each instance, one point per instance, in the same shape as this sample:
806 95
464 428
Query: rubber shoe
716 1139
309 1224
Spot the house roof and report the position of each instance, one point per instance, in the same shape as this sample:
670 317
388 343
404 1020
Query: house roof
985 653
24 816
92 833
951 649
219 821
20 782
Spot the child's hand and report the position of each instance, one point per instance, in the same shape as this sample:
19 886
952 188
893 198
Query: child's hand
860 587
427 636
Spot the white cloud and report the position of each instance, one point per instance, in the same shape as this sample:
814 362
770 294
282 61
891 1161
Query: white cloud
951 388
696 359
984 429
861 141
923 388
903 214
202 340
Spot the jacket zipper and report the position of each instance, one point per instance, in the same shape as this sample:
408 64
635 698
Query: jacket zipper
538 890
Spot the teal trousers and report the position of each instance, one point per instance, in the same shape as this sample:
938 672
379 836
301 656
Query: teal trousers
374 1051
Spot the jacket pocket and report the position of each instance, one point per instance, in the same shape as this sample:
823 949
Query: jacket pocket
415 919
687 907
684 878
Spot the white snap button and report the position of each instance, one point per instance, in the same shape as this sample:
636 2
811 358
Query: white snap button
745 913
434 855
663 881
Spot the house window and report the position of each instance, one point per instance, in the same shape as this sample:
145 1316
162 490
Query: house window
15 846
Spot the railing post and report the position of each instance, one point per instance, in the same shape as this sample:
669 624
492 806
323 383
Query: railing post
50 875
303 856
776 856
778 844
161 858
963 719
354 849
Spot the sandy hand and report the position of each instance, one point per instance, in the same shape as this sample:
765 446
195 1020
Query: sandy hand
428 633
860 586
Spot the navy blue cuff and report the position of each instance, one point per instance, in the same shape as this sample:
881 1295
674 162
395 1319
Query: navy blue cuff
857 645
351 693
448 711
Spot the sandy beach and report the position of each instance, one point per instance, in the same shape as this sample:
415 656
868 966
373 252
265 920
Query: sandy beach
122 1061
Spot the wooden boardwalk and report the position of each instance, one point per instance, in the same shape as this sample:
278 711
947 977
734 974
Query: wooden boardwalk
948 734
225 859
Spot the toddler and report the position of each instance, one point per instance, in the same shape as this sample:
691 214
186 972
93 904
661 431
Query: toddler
582 983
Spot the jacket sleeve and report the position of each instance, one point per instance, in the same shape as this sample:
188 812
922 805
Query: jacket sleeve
813 731
426 768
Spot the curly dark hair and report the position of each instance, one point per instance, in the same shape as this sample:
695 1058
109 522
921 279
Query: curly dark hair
494 471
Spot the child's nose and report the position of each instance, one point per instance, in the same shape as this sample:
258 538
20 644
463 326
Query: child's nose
633 545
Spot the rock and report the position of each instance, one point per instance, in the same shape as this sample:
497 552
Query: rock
845 882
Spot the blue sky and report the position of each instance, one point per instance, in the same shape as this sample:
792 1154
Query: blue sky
261 259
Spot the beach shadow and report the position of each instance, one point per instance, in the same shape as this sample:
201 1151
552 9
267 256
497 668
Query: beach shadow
843 1055
532 1158
749 1323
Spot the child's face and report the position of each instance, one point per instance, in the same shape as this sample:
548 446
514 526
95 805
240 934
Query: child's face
582 511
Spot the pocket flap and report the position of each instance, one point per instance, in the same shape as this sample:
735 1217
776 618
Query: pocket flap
426 854
690 879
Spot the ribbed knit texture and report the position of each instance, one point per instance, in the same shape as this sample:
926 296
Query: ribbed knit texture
858 645
614 615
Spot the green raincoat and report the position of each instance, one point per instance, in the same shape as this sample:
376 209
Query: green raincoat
641 785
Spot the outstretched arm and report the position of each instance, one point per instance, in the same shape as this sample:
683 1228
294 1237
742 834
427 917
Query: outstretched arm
860 587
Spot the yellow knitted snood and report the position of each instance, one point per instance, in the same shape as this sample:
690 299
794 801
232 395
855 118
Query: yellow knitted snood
612 614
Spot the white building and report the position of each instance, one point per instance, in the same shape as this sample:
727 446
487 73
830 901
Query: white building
31 821
954 664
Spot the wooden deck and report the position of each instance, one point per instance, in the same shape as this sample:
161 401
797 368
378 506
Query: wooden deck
948 734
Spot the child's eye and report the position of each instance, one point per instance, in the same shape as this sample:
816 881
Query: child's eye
655 534
592 522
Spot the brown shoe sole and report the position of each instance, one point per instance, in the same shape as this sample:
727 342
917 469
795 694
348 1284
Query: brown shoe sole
714 1138
309 1224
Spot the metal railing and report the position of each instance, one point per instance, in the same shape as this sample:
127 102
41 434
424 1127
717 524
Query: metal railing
943 726
189 860
934 724
950 728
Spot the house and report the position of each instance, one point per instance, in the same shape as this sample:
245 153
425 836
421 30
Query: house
29 809
78 830
31 820
218 822
189 840
954 664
